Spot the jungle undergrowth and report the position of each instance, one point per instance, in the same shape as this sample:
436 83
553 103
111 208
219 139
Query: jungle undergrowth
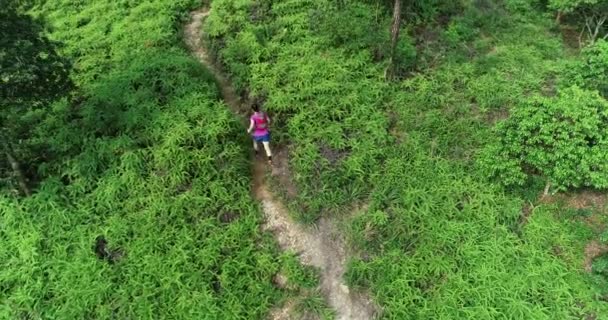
320 246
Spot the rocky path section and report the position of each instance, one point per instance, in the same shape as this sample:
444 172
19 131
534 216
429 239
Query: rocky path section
321 246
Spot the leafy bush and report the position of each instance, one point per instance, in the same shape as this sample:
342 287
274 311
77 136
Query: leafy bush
459 31
590 15
600 265
32 75
563 138
590 71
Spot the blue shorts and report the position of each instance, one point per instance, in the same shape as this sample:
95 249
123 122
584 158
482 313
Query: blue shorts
264 138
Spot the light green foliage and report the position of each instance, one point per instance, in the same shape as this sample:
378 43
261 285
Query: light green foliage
436 241
571 5
329 99
591 70
313 306
563 138
146 156
297 276
447 250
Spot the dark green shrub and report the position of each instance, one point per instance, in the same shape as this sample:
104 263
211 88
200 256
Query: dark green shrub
563 138
459 31
600 265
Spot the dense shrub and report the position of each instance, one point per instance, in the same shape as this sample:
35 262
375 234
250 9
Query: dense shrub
591 69
562 138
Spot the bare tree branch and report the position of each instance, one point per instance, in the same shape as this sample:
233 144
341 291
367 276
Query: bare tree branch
594 23
580 38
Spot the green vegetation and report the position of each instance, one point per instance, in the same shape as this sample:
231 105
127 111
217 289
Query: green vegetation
32 75
591 69
592 15
438 240
563 138
144 158
140 201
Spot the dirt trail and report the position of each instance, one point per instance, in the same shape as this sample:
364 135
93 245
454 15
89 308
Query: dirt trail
321 246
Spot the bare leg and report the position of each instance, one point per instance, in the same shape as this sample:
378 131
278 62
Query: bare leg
255 147
268 152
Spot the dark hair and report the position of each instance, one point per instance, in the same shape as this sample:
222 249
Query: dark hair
255 106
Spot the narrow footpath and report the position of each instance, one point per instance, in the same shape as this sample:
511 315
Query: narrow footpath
320 246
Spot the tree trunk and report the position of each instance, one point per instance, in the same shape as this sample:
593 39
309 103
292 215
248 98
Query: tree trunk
18 173
558 17
396 26
599 23
547 188
580 38
593 26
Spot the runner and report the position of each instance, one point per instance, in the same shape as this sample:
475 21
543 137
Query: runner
258 123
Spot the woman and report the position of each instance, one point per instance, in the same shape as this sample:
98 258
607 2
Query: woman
259 122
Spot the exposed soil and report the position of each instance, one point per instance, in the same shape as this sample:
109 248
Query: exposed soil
570 36
280 171
593 250
285 313
586 199
321 245
595 201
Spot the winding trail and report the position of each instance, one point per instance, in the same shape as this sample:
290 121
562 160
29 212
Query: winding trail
321 246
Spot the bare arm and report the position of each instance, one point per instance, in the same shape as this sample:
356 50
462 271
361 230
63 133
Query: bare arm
250 126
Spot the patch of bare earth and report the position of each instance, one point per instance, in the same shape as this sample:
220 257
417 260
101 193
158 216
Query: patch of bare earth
591 200
321 246
587 199
284 313
280 171
593 250
598 202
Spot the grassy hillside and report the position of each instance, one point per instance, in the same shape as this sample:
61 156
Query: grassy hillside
438 240
142 205
144 156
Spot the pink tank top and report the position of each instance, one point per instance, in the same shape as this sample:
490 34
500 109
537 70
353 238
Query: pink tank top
260 124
